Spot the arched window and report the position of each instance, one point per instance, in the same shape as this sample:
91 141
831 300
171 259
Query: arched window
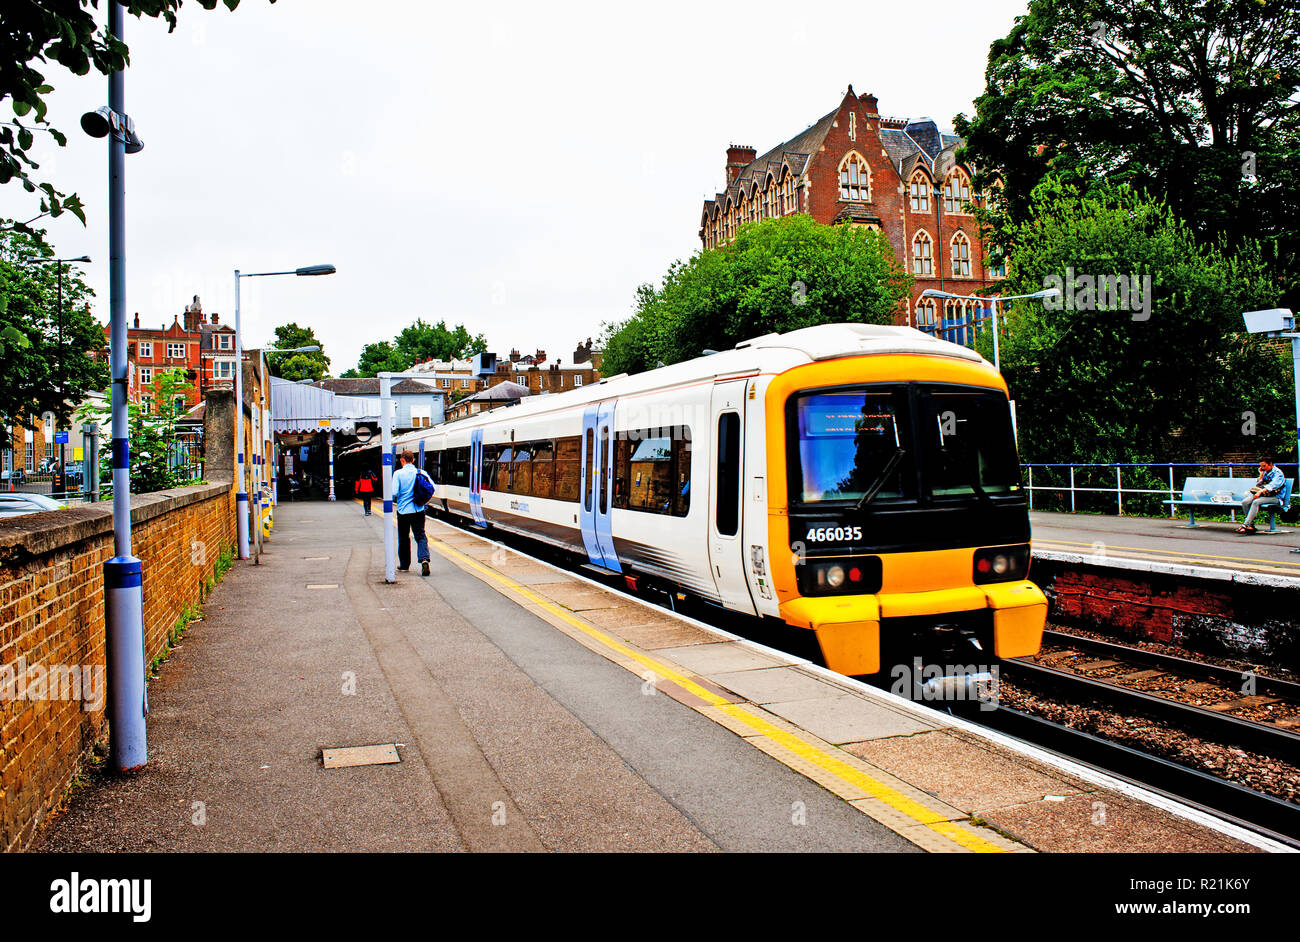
767 199
920 187
787 194
922 257
956 192
925 313
960 252
855 179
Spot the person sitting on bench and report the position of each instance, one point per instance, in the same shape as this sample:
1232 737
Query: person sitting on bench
1265 493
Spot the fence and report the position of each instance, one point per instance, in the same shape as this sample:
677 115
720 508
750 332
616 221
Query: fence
1078 488
76 484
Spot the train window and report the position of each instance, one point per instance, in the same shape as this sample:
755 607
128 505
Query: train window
586 482
460 467
521 470
567 459
968 448
851 443
652 470
543 469
728 474
602 475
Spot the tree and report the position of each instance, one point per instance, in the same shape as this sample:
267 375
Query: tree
1192 101
66 32
311 365
156 460
1155 367
422 341
778 275
36 366
415 344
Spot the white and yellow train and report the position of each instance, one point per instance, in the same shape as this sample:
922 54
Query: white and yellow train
858 481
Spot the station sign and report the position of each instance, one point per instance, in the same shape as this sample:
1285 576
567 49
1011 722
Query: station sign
364 433
60 438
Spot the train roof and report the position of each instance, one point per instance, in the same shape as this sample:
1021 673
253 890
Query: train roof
822 342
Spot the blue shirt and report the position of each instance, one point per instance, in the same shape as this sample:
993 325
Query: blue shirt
1273 480
404 491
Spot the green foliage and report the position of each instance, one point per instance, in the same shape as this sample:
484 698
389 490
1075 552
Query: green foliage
36 366
311 365
154 447
778 275
1107 385
415 344
1192 101
66 32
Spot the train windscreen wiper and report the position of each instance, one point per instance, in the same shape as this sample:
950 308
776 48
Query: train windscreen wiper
881 478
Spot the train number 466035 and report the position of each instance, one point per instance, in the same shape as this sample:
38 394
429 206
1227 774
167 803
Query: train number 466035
833 534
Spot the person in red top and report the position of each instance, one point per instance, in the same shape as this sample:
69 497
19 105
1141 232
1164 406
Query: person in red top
365 488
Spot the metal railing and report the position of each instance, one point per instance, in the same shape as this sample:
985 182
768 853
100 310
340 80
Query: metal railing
1074 485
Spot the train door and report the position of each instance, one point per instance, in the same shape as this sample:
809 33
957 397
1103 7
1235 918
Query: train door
476 476
595 504
727 464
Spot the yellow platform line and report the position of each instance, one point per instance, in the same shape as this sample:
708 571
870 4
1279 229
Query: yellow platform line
1169 554
958 832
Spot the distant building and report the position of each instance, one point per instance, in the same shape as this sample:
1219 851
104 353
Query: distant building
417 403
532 371
855 167
500 394
203 349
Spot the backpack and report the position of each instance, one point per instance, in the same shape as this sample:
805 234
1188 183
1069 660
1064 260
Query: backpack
422 493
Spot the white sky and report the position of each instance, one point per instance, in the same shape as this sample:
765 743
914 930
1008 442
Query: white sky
516 167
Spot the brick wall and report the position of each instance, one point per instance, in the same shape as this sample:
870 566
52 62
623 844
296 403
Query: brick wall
52 614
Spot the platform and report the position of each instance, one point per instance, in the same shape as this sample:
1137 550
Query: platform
1214 547
533 710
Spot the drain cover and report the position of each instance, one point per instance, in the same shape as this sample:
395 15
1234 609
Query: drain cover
345 756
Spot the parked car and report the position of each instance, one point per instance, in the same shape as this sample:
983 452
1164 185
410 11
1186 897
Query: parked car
15 504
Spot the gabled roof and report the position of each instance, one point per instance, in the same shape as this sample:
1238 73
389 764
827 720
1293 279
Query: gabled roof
369 386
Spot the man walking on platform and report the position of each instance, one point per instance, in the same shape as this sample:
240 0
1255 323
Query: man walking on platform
410 516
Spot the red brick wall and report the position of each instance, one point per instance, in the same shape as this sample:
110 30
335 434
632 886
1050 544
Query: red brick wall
52 613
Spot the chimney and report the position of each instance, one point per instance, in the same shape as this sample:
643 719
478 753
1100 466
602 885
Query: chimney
868 102
738 158
137 320
193 317
214 317
514 356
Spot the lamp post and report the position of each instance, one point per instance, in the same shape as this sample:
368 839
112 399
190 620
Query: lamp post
128 701
1280 323
241 496
994 301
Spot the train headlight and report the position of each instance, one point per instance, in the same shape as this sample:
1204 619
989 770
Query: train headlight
1001 563
835 576
858 575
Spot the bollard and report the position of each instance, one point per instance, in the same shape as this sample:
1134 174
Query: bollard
127 697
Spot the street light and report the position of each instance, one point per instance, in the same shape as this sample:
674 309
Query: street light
994 301
61 415
128 699
241 496
1279 322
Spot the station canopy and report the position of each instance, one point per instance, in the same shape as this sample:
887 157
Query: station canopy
300 408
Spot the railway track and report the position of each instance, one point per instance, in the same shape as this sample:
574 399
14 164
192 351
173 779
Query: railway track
1245 806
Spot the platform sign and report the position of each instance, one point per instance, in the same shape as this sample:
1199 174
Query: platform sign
78 454
60 438
302 452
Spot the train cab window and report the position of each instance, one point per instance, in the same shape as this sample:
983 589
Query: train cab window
728 474
543 469
521 470
851 444
968 448
568 453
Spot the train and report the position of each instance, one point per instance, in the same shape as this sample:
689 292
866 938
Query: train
857 481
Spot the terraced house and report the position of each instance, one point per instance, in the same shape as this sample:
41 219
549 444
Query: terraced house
895 175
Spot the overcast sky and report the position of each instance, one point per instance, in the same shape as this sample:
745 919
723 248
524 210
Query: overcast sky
516 167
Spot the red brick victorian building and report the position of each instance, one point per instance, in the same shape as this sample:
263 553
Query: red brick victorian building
853 166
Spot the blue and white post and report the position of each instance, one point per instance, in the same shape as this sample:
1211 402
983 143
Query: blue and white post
386 446
331 447
241 494
123 584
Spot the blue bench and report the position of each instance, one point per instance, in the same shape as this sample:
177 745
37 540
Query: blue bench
1222 495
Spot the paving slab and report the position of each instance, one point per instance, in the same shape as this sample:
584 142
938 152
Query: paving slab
974 777
721 657
846 719
776 684
1106 823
